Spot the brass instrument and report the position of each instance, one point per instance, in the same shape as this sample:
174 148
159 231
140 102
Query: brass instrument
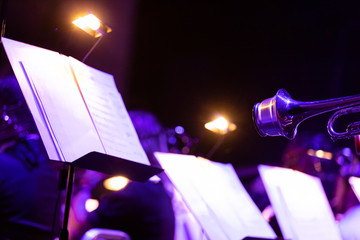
281 115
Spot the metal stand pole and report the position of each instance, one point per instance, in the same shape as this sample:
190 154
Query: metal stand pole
216 146
64 234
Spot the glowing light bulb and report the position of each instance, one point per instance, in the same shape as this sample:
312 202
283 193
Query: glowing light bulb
91 204
116 183
89 21
220 125
92 25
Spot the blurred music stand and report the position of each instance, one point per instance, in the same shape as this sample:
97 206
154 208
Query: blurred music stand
215 196
300 204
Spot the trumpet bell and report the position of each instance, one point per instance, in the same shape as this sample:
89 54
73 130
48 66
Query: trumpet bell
271 118
281 115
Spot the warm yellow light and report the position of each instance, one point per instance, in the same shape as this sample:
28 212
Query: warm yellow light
220 125
311 152
91 204
320 154
92 25
116 183
89 21
325 155
268 213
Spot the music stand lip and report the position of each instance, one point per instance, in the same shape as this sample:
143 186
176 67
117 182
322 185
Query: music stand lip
116 166
106 164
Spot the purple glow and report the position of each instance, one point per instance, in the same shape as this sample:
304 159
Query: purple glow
172 140
179 130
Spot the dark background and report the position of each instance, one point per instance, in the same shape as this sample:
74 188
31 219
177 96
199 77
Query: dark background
187 60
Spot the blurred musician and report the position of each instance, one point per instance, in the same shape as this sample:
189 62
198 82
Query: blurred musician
142 210
151 210
154 138
316 155
28 182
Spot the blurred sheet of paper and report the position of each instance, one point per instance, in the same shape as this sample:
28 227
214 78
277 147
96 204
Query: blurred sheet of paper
355 185
216 197
300 204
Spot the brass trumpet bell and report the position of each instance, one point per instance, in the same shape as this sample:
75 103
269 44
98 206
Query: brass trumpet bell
281 115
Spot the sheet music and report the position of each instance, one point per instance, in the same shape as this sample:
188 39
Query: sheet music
108 113
15 51
181 173
68 127
64 107
216 197
106 142
300 204
355 185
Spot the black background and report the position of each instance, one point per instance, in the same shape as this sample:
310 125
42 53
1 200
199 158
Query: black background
187 60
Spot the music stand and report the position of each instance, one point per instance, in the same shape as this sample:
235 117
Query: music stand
300 204
80 115
215 196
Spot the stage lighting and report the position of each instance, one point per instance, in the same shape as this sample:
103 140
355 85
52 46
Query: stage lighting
115 183
91 204
220 126
92 25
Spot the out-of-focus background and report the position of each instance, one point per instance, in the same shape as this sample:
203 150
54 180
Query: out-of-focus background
185 61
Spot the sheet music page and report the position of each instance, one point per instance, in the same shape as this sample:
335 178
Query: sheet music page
216 197
64 107
300 204
108 113
58 100
180 171
19 51
355 185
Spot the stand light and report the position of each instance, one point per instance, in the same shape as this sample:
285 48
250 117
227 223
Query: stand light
219 126
94 27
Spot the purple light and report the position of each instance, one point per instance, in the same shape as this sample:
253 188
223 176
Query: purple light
179 130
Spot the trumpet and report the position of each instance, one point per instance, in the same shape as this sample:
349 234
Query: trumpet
281 115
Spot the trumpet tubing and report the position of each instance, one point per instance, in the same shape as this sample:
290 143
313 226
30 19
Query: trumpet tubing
281 115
